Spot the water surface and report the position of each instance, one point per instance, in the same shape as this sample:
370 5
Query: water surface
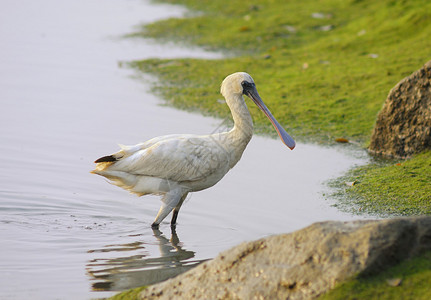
68 234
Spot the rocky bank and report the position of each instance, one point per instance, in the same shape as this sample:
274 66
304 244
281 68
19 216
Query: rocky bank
300 265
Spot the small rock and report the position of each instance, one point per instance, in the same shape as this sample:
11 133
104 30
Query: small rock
319 15
394 281
362 32
290 28
325 27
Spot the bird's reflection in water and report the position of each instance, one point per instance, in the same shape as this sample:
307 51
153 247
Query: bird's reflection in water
124 272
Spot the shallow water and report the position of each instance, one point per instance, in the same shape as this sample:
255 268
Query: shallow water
67 234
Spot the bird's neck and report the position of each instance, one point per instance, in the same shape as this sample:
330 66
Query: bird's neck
242 130
239 136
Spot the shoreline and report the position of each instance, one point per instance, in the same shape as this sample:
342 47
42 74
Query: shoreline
310 93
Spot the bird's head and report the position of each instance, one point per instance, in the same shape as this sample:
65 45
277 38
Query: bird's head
241 83
236 83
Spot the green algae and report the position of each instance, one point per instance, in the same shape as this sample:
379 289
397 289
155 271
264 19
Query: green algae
409 279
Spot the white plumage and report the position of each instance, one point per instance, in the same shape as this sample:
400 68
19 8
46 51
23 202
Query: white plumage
174 165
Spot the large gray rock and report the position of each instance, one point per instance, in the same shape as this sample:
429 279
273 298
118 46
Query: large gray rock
302 264
403 126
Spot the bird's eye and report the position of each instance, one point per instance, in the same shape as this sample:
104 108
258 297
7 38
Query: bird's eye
246 84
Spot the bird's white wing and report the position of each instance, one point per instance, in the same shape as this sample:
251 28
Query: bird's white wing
179 158
129 150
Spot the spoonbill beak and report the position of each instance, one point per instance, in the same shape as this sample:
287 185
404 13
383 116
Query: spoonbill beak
249 89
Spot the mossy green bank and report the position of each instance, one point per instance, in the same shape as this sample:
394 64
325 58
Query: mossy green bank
324 68
387 188
408 280
132 294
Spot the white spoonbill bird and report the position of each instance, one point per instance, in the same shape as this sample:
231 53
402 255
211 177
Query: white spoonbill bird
175 165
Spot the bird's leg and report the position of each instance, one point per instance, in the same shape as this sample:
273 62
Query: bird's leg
169 202
177 209
174 217
163 212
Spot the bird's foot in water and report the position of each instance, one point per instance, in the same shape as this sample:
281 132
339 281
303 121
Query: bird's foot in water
156 226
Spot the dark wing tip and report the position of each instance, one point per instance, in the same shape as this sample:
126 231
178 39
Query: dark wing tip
108 158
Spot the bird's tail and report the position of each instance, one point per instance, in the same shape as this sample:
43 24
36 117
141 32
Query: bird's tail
105 161
108 158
